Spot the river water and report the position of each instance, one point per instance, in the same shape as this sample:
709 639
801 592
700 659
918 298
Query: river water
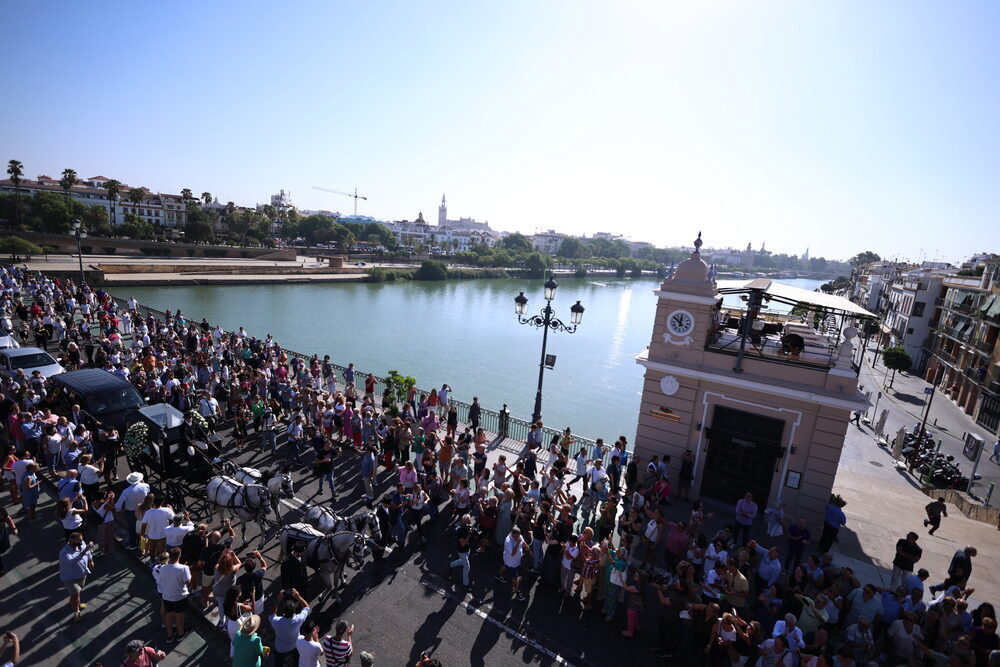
461 332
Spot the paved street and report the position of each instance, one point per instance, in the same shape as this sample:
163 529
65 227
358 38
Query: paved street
407 604
906 401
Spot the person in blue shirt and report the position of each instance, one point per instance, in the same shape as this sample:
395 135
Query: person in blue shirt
75 562
832 523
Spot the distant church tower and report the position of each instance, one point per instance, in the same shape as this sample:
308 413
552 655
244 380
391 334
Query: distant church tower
442 213
805 255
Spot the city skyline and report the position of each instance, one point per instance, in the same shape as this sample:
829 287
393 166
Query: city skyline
783 123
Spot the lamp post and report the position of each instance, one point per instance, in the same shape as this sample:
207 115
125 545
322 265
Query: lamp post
80 233
545 321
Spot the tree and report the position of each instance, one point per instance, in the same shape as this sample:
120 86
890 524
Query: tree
376 232
516 242
198 229
16 170
896 359
94 218
135 227
135 196
16 246
817 264
431 270
49 213
571 247
206 197
396 388
866 257
67 182
114 189
186 196
310 226
536 264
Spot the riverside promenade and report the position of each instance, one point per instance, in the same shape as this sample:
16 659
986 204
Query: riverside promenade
411 593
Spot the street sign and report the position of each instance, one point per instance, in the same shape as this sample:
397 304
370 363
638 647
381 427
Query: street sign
973 445
928 390
550 361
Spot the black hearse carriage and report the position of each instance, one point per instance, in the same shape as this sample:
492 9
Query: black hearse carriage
153 444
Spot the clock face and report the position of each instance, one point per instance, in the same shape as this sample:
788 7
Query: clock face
680 322
669 385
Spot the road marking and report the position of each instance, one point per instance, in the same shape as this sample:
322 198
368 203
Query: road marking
559 660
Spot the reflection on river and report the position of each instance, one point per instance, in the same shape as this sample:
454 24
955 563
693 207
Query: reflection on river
463 333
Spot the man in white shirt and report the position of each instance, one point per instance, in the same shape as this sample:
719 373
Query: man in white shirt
514 548
154 526
128 502
174 581
308 646
179 527
789 630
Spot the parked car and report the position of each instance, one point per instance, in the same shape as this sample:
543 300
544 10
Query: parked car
28 359
359 264
102 396
7 342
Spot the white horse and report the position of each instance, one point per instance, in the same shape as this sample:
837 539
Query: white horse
326 554
279 483
326 520
249 502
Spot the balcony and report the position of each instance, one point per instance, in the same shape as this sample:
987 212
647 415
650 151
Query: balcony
765 343
944 356
985 347
977 375
940 301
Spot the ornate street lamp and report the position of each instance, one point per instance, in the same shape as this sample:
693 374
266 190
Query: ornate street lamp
545 321
80 233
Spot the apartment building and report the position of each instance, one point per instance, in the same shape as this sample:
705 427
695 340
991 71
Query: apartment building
910 313
963 351
157 208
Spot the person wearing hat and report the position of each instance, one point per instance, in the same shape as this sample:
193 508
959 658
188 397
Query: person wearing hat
293 569
128 502
248 648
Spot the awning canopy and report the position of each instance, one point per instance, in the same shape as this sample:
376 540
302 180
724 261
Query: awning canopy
992 306
826 302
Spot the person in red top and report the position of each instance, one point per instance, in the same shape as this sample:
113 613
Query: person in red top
137 653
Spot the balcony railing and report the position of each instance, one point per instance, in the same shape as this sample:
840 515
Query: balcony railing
767 343
940 301
985 346
977 375
950 358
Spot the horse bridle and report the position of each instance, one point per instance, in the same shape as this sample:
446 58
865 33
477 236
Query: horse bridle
355 561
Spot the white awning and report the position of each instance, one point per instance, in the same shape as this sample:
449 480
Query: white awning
828 302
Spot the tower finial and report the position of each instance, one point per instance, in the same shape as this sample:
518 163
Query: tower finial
698 243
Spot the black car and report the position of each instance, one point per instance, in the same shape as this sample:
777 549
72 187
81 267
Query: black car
103 397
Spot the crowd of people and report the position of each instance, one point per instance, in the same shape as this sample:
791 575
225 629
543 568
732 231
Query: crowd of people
593 524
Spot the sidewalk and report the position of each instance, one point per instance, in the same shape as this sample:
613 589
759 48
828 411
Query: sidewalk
121 604
947 422
884 503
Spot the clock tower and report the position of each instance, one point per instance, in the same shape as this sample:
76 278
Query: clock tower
721 393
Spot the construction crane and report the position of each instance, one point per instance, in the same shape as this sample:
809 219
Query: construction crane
355 196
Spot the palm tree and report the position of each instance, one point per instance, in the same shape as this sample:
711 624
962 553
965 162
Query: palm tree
67 182
16 170
136 195
207 197
114 188
185 195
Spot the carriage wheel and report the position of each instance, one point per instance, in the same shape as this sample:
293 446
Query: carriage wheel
175 492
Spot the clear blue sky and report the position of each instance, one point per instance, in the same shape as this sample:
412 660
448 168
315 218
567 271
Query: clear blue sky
841 126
